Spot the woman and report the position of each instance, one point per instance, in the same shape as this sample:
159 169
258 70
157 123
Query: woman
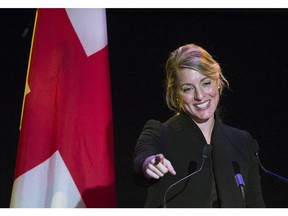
167 152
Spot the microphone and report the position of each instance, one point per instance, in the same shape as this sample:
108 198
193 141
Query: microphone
239 180
206 154
256 152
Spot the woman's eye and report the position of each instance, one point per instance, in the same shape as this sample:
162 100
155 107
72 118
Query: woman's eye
207 83
187 89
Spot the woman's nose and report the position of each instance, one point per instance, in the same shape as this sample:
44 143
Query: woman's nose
199 94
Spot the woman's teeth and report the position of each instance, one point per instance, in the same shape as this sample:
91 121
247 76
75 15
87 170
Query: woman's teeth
202 105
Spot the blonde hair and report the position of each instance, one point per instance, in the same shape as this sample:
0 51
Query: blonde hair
193 57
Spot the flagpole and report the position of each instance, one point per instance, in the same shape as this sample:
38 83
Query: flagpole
27 89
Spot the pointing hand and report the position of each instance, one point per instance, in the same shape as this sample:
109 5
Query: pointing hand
157 166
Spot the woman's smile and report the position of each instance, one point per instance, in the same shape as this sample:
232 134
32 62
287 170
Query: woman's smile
203 106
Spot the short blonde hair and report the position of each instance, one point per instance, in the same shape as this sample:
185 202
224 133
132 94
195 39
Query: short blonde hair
193 57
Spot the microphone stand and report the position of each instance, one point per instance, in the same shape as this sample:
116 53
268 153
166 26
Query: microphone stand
269 172
256 150
188 176
206 154
241 184
242 195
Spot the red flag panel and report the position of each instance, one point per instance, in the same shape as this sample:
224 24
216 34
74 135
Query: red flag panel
69 109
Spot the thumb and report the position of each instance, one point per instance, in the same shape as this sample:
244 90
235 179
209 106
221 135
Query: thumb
159 159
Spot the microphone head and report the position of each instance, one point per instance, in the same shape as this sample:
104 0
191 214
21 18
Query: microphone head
207 151
238 176
239 180
236 167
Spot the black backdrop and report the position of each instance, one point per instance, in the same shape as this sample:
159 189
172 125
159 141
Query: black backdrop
250 44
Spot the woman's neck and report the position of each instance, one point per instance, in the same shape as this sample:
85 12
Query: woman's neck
207 128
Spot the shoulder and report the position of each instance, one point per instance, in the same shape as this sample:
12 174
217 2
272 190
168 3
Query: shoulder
236 133
242 142
152 128
169 123
152 123
233 130
157 128
178 122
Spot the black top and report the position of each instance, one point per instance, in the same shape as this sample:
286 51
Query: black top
181 141
213 201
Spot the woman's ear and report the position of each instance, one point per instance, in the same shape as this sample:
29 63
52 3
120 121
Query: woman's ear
218 83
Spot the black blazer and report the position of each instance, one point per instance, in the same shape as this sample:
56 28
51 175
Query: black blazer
182 142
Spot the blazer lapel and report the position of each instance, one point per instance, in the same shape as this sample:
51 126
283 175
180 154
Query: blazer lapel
222 155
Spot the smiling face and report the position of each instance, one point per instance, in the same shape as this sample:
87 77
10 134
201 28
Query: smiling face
189 69
198 94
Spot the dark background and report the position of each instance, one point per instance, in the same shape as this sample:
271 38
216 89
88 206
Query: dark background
250 45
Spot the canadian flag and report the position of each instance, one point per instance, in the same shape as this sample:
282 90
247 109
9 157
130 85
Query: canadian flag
65 154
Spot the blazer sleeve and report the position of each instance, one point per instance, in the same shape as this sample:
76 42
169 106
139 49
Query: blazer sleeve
150 142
